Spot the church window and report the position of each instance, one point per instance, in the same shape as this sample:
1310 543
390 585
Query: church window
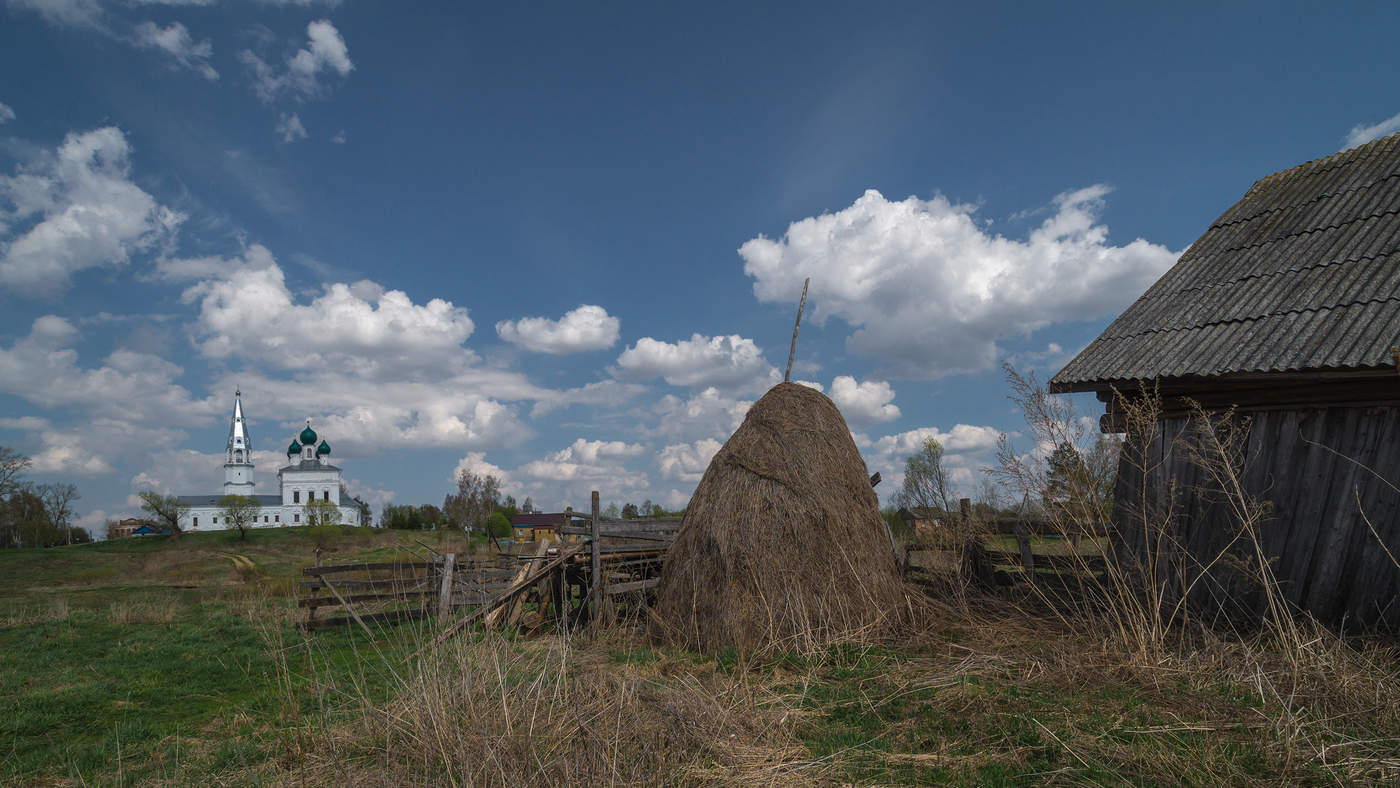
276 518
325 495
216 521
264 518
296 518
196 522
296 496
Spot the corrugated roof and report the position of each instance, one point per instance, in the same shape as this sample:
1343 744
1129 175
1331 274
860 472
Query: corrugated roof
1303 273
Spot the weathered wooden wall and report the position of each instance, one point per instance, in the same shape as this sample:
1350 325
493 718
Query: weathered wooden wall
1326 558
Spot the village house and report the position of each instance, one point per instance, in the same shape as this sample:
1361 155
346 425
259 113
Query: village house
1288 309
538 526
124 528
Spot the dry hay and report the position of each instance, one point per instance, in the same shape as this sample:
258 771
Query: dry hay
782 545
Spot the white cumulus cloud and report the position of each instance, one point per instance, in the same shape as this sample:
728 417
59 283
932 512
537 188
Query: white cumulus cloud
6 114
250 312
930 292
567 477
708 414
726 362
586 328
864 403
301 77
43 368
75 209
686 462
967 450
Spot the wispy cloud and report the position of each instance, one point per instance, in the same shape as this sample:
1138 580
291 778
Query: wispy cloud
289 128
1361 134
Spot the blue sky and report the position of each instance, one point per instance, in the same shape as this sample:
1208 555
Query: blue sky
564 244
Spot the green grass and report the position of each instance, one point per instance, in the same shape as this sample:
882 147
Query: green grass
145 658
158 660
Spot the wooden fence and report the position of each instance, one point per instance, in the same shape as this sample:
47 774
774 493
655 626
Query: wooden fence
564 583
986 563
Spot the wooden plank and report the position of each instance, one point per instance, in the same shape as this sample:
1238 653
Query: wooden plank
635 585
615 530
640 523
391 582
316 571
348 609
465 574
392 615
494 617
535 574
468 598
328 601
626 548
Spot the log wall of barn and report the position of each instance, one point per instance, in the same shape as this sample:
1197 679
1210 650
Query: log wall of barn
1326 558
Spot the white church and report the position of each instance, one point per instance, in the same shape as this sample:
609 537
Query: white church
308 476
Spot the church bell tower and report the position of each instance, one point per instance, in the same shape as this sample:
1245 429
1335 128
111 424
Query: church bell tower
238 460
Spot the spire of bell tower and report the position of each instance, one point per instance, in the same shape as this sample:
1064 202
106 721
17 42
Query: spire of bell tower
238 460
240 447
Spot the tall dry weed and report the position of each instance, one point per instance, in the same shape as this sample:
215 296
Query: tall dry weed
1313 687
484 709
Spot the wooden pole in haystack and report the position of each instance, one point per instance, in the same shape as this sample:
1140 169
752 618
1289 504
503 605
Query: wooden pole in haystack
792 351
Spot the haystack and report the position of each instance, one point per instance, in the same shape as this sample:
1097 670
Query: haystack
782 545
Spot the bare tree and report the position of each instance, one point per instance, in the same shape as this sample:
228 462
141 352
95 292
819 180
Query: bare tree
989 493
12 467
926 482
164 510
58 505
477 497
240 510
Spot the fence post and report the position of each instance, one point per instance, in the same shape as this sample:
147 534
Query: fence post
445 589
1023 541
596 566
975 562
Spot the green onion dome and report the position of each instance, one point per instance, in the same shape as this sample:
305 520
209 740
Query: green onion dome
293 449
308 435
323 449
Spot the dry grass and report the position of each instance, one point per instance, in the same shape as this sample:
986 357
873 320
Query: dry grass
492 711
160 610
40 613
1321 700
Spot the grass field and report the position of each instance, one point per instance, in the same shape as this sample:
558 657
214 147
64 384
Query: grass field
157 661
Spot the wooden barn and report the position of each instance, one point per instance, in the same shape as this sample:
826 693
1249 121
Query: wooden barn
1288 308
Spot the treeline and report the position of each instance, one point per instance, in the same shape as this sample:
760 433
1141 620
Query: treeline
631 511
477 505
35 515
